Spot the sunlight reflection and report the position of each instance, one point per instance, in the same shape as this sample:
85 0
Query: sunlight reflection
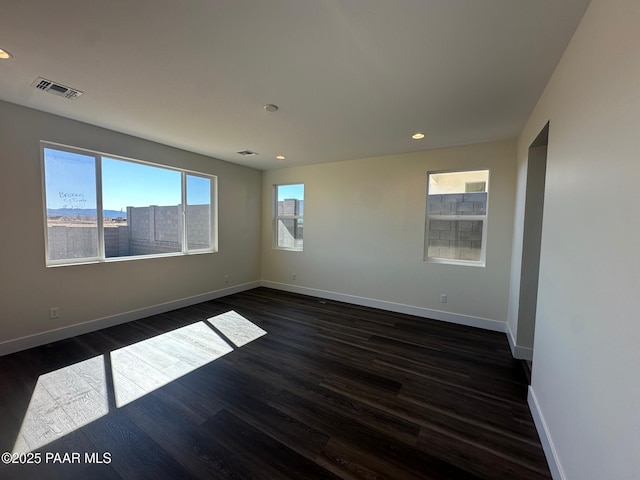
63 401
148 365
236 328
71 397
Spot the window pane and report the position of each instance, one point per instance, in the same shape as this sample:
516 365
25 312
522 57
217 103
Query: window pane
289 203
458 182
291 192
198 212
456 214
70 192
455 239
149 198
290 233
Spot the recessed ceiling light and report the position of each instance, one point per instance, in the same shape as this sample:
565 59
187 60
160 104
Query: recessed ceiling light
270 107
418 136
280 157
4 54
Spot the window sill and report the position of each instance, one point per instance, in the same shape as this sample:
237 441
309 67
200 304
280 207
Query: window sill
450 261
285 249
128 258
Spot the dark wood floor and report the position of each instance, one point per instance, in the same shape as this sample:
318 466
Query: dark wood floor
331 391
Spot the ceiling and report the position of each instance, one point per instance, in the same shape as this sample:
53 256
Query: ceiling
352 78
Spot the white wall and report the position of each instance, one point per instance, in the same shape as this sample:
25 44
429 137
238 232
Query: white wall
364 234
89 292
586 385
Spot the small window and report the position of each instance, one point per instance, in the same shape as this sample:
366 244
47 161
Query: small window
288 217
99 207
456 220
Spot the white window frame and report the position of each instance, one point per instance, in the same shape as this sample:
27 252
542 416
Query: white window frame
101 258
484 218
277 218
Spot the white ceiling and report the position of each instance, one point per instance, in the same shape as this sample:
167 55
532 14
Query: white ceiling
352 78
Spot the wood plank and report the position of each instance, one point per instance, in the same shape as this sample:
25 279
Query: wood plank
263 457
133 453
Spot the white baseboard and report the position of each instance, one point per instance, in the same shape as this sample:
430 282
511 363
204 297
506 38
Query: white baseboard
62 333
545 437
485 323
522 353
12 346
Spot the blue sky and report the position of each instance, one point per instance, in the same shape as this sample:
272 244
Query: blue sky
70 183
127 184
70 180
291 191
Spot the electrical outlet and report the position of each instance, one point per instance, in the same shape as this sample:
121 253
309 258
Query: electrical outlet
443 298
226 279
54 312
293 276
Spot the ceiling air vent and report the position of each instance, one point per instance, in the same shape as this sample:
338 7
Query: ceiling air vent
247 153
55 88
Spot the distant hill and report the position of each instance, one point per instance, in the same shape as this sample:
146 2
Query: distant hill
83 212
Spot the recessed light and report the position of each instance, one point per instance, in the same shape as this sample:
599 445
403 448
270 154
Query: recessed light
270 107
4 54
418 136
280 157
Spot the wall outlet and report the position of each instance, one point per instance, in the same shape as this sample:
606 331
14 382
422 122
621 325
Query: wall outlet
54 312
293 276
443 298
226 279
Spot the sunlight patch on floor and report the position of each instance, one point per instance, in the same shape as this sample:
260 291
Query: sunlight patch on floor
148 365
236 328
63 401
71 397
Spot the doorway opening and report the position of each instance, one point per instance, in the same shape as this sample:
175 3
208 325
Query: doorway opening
532 239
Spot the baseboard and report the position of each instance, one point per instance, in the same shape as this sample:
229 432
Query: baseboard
485 323
517 351
23 343
12 346
545 437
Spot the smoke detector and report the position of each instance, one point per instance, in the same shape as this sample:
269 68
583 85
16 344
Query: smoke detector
55 88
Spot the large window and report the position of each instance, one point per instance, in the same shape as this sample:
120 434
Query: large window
456 223
98 207
288 217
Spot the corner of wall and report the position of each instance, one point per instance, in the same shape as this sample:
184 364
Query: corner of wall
460 319
545 437
519 352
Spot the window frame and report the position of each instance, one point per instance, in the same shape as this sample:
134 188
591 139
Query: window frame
213 205
277 218
101 256
484 218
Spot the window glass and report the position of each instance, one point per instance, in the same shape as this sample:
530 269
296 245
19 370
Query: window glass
289 223
130 209
456 217
150 199
71 207
198 212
